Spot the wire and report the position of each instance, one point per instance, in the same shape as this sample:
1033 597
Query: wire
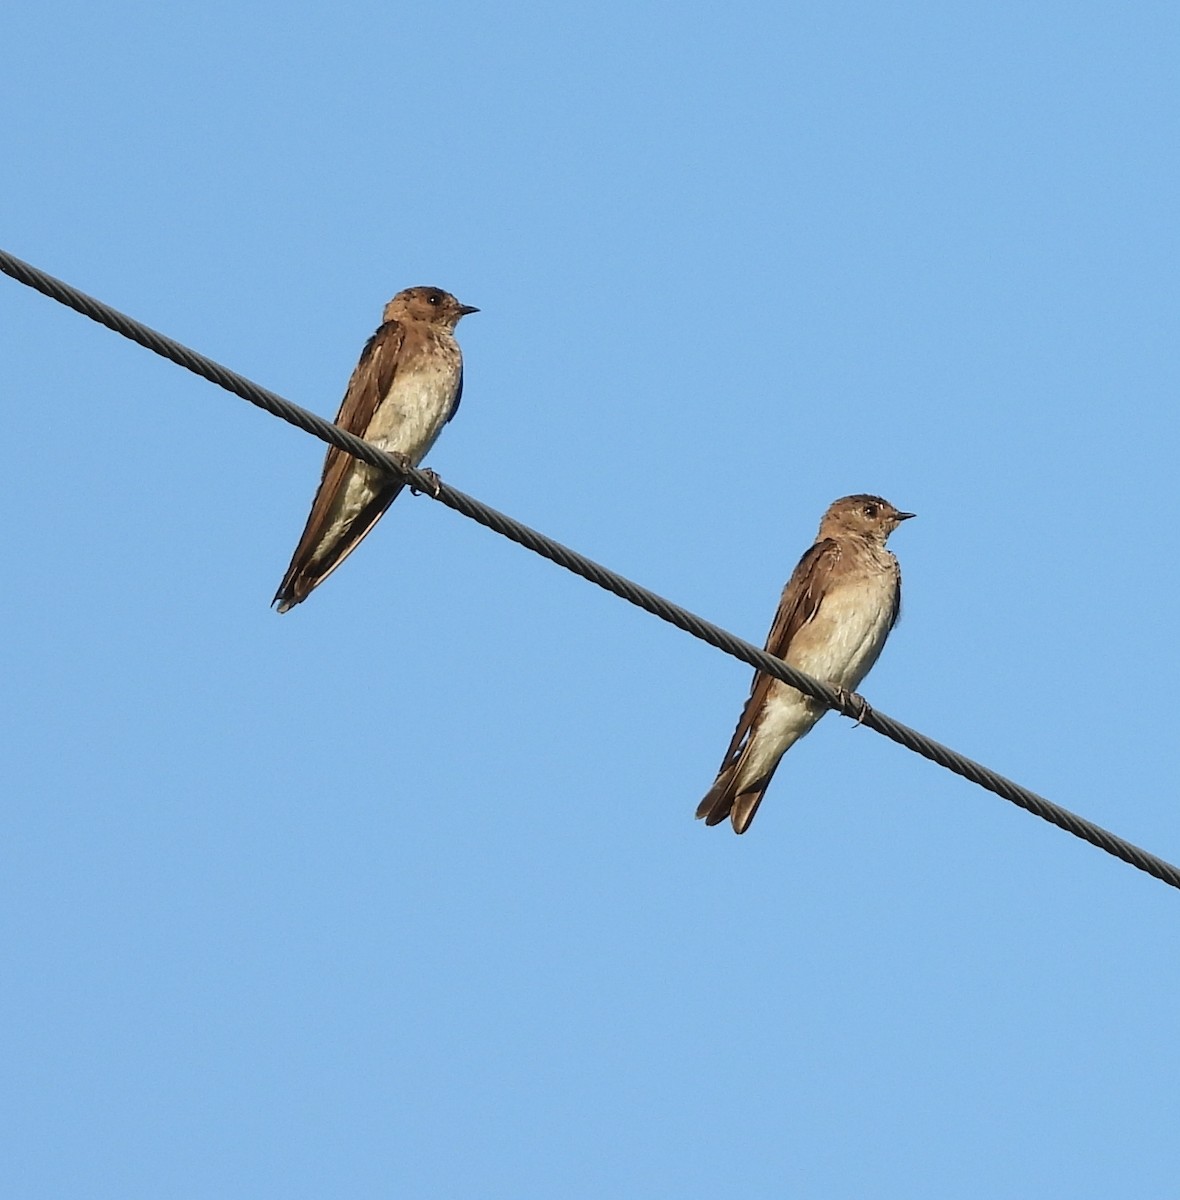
848 705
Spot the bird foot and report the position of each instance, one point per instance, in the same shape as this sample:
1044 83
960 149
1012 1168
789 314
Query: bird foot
401 461
852 705
435 483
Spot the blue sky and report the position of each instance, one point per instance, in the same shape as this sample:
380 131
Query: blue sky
401 894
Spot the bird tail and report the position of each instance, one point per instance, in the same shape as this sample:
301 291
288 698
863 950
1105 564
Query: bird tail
313 562
723 801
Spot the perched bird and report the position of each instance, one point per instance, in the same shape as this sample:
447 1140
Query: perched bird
405 388
832 621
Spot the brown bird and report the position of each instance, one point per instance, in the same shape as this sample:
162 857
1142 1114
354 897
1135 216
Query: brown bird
405 388
832 621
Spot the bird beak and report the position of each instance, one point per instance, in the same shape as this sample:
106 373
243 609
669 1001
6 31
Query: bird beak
903 516
465 310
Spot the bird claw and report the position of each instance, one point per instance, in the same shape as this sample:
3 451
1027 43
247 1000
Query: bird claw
401 461
852 705
435 484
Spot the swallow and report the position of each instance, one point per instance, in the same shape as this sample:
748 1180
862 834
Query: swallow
405 388
836 611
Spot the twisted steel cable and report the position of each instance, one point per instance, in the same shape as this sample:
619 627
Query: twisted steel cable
849 705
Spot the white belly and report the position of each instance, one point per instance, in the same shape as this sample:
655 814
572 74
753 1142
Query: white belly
845 639
838 646
412 416
408 421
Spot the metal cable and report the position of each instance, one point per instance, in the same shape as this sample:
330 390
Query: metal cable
849 705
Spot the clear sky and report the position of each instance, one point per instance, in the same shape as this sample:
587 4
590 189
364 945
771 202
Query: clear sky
401 894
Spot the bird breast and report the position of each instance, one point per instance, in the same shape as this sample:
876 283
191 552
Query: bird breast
415 409
845 637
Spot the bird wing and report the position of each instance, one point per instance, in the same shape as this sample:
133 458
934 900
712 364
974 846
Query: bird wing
369 385
458 395
895 612
800 602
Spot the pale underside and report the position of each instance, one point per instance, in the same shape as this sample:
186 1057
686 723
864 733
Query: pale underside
839 645
407 422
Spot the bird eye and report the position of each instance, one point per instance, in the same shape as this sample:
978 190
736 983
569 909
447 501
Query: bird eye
870 511
434 298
